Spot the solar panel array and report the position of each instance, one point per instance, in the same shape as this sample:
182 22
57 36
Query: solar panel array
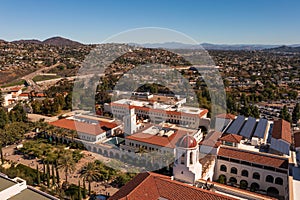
236 125
248 128
261 128
280 146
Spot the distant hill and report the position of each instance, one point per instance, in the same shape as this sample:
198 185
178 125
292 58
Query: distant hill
236 46
55 41
60 41
285 49
169 45
33 41
207 46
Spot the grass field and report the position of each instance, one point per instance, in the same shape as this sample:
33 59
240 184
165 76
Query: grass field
44 77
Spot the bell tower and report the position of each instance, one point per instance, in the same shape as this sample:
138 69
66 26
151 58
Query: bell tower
187 167
130 122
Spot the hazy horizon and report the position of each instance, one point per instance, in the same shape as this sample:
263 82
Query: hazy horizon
233 22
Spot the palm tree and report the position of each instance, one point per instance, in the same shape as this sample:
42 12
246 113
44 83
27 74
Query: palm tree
67 163
90 173
1 99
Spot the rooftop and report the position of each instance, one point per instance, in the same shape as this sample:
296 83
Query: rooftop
158 107
232 138
152 186
30 194
254 157
23 192
169 141
5 183
211 139
297 139
282 130
89 128
226 116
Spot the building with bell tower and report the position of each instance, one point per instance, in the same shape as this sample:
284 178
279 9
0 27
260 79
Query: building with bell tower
187 167
130 122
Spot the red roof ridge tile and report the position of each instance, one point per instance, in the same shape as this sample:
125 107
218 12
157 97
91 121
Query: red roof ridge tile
231 138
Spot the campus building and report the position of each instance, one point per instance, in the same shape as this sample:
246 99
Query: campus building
17 189
88 128
191 117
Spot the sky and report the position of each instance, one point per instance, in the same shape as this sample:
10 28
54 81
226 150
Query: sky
210 21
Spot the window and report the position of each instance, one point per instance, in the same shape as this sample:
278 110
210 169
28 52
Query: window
182 159
233 170
245 173
191 158
243 184
254 187
232 180
256 176
269 179
223 168
279 181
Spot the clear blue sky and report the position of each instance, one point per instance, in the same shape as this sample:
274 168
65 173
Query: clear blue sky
213 21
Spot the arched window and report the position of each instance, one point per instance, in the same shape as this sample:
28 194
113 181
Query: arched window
256 176
243 184
279 181
223 168
254 187
233 170
232 180
191 158
269 179
222 179
245 173
273 192
182 159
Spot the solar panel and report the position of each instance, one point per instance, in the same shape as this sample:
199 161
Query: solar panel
280 146
270 133
236 125
248 128
261 128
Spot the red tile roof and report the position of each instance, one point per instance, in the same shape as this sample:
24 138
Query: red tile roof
168 112
297 139
84 127
211 139
24 95
253 157
282 130
232 138
162 141
15 89
152 186
226 116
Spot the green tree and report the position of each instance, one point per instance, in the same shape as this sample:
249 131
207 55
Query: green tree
285 114
90 173
3 118
38 175
296 113
67 163
57 172
44 172
48 174
84 189
1 154
18 114
53 174
1 99
79 191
